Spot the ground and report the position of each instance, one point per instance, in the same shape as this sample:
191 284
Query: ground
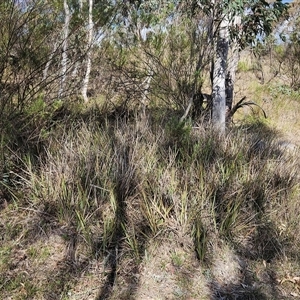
43 260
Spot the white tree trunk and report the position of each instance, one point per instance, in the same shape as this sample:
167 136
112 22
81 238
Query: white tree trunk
219 75
64 60
50 59
90 31
145 87
80 4
233 60
75 71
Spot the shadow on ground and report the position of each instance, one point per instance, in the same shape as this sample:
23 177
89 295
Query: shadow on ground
120 266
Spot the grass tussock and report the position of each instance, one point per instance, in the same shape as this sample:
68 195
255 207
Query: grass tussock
110 188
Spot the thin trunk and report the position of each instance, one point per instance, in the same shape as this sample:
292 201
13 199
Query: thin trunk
80 5
89 53
187 110
233 59
146 86
64 60
50 59
219 75
75 71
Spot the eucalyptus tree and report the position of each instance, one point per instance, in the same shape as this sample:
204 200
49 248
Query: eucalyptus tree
65 40
137 36
225 28
168 44
236 24
98 16
79 24
90 32
228 27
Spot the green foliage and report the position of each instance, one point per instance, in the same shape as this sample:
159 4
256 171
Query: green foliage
279 50
279 90
179 132
260 19
110 180
243 66
199 233
120 185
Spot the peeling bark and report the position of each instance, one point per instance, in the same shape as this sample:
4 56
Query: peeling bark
89 53
232 63
219 76
64 59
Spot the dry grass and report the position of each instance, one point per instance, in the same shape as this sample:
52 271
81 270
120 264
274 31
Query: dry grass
130 207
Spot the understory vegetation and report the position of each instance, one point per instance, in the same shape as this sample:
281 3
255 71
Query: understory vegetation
149 150
112 186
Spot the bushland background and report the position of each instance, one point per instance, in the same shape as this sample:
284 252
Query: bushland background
106 193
